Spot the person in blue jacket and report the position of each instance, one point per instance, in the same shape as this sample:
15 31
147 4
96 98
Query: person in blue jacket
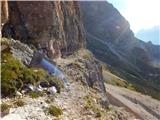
40 60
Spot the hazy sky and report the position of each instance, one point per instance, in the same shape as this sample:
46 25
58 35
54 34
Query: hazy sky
141 14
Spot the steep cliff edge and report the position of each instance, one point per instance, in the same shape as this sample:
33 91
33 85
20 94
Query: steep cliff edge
111 40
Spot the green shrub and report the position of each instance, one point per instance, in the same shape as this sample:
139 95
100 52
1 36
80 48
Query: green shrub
88 103
11 71
5 41
48 101
35 94
5 109
33 76
91 105
54 111
15 75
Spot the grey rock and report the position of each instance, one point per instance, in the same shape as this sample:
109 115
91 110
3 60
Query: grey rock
31 87
18 94
21 51
52 90
94 78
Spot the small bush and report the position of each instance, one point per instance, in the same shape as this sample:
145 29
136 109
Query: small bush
11 72
35 94
5 41
5 109
33 76
91 105
88 103
54 111
15 75
19 103
48 101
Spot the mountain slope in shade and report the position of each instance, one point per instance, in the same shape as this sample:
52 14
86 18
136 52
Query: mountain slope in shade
110 39
152 34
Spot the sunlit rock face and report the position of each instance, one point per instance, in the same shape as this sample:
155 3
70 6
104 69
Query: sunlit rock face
55 26
4 12
111 40
104 21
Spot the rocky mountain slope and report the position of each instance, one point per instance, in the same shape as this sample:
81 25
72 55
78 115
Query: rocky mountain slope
111 40
54 28
84 99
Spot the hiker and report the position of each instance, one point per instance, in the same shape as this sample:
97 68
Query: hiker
40 60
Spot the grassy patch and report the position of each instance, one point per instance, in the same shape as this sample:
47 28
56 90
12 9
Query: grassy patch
5 41
11 74
91 105
5 109
115 80
15 75
54 111
48 101
35 94
19 103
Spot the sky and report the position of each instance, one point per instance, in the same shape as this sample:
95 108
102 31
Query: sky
141 14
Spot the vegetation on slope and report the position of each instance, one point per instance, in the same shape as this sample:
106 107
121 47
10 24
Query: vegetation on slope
54 111
15 75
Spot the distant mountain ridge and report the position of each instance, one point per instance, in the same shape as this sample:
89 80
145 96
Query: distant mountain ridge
152 34
111 40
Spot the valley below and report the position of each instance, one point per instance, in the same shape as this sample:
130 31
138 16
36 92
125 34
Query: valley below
142 106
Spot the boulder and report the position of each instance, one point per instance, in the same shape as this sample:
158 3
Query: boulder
21 51
52 90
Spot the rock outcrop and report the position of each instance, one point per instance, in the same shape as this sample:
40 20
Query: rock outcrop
54 25
4 13
95 80
21 51
111 40
85 68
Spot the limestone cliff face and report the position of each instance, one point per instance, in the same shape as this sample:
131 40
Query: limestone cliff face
4 12
55 26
